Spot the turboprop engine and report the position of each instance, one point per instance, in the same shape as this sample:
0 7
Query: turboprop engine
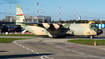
52 26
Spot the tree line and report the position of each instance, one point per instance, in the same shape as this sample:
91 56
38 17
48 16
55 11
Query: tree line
72 21
80 21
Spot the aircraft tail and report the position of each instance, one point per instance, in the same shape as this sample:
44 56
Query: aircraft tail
19 15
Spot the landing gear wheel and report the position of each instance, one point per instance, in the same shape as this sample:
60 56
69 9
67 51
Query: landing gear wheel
63 36
58 37
91 37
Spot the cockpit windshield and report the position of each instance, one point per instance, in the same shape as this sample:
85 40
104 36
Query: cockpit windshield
93 27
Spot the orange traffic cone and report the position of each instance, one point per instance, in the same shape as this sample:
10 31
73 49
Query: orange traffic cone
95 43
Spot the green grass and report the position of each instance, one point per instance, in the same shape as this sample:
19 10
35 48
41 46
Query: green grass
88 41
17 35
9 40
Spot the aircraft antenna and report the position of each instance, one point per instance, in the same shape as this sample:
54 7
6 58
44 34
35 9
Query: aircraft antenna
37 12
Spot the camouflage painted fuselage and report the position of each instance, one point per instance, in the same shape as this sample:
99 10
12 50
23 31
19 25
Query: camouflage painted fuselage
67 29
82 29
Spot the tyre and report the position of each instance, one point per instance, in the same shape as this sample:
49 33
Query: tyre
91 37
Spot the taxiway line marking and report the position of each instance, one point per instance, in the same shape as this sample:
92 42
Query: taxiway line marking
14 41
45 56
68 49
27 48
42 57
23 46
37 53
19 45
78 52
60 47
32 51
71 50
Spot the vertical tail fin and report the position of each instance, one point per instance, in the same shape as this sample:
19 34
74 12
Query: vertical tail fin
19 15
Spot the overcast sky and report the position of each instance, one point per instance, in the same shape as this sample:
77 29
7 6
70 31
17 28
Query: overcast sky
51 8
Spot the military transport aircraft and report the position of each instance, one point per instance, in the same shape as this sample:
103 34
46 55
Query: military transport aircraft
56 30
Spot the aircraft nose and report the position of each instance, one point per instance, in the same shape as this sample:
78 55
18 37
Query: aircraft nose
99 31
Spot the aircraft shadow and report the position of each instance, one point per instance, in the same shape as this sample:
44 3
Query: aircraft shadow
22 55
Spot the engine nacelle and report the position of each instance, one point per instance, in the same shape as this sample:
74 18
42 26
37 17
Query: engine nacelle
46 25
56 26
51 26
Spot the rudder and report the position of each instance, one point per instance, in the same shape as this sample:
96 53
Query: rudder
19 15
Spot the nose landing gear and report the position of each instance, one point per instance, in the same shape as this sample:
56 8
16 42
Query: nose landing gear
91 37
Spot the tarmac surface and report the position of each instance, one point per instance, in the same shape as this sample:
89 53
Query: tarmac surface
50 48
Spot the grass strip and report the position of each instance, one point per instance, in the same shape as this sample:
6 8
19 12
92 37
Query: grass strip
17 35
9 40
88 41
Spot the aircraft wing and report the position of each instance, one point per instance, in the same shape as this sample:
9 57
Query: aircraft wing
52 26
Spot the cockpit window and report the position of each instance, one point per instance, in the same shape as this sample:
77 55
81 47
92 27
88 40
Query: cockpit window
93 27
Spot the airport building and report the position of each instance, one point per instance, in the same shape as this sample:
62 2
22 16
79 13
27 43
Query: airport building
10 26
43 19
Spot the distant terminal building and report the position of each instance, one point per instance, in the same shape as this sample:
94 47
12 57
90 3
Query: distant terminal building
10 19
43 19
10 26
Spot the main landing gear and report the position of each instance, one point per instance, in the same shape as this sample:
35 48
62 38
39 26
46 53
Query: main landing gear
91 37
61 36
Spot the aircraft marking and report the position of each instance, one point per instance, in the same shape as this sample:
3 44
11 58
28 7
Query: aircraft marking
19 14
